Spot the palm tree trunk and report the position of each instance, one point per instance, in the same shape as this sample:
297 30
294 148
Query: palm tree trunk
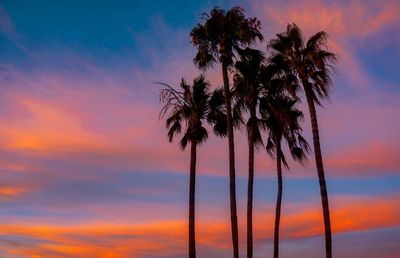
192 185
232 176
279 198
320 170
250 185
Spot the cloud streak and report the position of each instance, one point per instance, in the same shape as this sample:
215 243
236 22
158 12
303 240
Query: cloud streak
168 238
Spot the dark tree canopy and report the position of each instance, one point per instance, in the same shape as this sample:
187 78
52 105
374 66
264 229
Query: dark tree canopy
222 34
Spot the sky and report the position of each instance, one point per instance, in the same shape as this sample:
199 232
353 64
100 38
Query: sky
86 167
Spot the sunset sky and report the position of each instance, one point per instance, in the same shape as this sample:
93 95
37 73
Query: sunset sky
86 169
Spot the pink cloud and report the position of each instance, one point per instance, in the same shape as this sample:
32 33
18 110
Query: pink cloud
97 118
51 116
341 19
366 158
110 118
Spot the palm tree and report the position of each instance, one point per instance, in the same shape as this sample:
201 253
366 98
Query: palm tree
217 39
247 91
281 119
188 107
311 65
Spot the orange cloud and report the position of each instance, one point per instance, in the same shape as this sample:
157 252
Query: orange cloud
11 191
48 127
169 237
347 215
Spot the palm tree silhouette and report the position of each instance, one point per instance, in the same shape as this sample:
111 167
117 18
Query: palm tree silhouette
282 121
187 109
217 39
247 91
311 65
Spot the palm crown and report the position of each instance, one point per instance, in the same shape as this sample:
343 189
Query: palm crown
311 63
222 33
187 107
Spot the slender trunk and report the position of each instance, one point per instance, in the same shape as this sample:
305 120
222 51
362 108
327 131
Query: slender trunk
250 185
232 179
320 170
192 185
279 198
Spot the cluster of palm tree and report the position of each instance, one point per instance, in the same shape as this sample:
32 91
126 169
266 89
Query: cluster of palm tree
263 96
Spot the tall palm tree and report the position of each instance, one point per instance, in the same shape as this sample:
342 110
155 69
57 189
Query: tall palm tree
187 108
282 121
217 40
311 64
247 91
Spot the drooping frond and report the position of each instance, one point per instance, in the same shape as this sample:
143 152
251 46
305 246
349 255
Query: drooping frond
217 115
270 147
253 128
200 39
247 90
